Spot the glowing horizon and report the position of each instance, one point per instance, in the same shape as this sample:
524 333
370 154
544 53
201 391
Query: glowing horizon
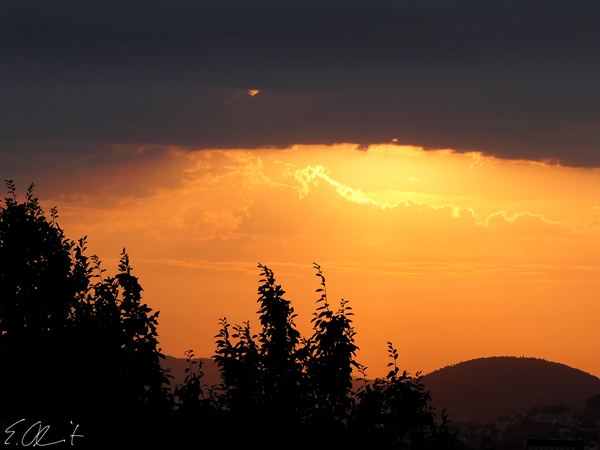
451 256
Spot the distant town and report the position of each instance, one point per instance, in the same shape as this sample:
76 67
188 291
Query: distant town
558 422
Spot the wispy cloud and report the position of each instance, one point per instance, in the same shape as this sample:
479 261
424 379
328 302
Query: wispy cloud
308 177
511 219
499 272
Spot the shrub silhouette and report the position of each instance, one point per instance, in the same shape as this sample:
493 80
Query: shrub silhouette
76 345
394 413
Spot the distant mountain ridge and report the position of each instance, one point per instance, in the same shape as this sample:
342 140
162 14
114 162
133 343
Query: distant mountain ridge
211 374
487 388
483 388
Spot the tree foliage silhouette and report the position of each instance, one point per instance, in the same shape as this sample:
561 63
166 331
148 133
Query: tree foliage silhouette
113 325
593 402
72 337
278 380
394 412
331 358
75 337
263 374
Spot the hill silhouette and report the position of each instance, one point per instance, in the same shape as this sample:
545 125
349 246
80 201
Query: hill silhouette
483 388
211 373
487 388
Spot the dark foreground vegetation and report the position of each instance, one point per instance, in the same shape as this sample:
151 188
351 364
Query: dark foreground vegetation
80 363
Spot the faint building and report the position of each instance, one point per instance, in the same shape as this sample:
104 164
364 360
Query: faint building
502 424
554 444
564 431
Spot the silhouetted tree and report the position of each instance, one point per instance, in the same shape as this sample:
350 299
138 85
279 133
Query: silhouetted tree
280 369
298 392
331 352
38 291
76 346
116 342
262 374
593 402
74 337
190 393
195 405
394 409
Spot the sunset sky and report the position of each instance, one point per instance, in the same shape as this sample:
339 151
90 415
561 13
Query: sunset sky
439 160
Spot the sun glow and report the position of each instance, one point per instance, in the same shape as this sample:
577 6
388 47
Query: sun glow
450 256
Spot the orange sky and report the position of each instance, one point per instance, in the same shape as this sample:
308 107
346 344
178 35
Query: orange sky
449 256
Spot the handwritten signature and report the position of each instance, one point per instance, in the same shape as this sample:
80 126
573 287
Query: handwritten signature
34 435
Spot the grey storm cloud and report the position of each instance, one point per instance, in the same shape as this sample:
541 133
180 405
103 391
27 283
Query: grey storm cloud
514 79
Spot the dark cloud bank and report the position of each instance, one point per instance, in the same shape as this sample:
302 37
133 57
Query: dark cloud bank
515 79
